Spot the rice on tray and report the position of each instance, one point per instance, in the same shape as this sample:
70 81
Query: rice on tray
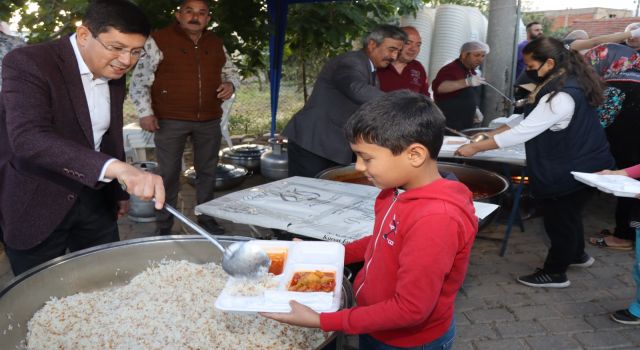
169 306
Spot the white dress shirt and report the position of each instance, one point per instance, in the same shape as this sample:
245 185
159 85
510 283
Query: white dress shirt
98 98
555 116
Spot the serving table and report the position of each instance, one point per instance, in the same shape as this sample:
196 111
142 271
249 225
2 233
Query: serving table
507 156
316 208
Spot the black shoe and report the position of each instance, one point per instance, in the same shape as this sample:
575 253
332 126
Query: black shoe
211 225
543 279
163 231
625 317
585 260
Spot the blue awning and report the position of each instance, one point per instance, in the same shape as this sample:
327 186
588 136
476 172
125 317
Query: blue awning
278 10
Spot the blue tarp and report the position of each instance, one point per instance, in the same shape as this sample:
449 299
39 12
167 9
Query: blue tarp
278 10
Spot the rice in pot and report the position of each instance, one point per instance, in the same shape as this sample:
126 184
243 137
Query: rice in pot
169 306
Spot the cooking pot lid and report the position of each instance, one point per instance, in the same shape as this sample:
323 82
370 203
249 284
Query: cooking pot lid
248 150
227 171
223 171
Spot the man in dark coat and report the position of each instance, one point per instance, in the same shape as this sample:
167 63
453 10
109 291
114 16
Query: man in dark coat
315 134
61 137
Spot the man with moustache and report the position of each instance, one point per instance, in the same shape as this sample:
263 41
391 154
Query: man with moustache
315 134
455 88
406 72
61 137
178 92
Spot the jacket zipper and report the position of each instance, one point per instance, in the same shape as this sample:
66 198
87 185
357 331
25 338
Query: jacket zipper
375 243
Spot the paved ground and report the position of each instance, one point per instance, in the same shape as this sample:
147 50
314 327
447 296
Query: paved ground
493 311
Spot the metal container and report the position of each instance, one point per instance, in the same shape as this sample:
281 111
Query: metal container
473 131
228 176
274 164
246 156
139 210
101 267
486 185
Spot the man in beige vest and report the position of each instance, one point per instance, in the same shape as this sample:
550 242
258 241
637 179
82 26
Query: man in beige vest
178 92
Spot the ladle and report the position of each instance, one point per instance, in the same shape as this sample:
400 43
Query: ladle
240 259
475 138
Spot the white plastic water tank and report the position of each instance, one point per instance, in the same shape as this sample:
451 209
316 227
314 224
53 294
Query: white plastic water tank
423 21
451 30
477 24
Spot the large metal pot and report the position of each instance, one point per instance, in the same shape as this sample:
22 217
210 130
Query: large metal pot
228 176
473 131
486 185
246 156
98 268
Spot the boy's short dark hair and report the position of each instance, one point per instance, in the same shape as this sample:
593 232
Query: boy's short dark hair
121 15
396 120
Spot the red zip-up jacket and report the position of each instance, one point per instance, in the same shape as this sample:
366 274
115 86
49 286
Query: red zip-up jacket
414 264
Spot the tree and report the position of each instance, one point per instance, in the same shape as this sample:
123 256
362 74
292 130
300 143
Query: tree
316 31
342 24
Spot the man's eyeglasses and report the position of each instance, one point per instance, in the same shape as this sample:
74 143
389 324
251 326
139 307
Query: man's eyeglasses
137 54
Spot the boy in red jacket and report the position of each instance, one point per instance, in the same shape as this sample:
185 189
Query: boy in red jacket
416 258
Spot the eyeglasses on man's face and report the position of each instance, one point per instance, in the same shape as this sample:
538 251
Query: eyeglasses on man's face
137 54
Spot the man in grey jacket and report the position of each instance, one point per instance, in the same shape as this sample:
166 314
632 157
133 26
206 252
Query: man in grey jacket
315 133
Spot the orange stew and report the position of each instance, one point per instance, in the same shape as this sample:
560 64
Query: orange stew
313 281
277 261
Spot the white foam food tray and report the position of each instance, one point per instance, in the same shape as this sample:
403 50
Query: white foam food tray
301 256
618 185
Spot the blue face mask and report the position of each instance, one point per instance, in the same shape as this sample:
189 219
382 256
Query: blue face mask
533 75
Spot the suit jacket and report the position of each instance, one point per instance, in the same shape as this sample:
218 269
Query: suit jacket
47 153
344 83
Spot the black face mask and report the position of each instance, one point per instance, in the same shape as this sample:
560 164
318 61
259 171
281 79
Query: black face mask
533 75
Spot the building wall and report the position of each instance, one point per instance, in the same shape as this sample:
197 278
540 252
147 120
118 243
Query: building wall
565 18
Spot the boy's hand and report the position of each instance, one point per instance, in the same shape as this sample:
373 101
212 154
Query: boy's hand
467 150
300 315
613 172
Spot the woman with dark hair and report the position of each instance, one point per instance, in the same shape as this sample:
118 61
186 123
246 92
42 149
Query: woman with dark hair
562 133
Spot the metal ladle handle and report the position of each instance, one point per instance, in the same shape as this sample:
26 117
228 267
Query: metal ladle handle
456 132
194 226
500 92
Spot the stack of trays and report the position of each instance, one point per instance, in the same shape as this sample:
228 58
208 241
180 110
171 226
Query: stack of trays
308 272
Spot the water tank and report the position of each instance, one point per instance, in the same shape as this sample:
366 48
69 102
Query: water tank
451 30
477 24
423 21
454 25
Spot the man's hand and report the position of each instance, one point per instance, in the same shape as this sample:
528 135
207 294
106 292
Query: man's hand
613 172
467 150
225 91
123 208
474 80
635 33
139 183
149 123
300 315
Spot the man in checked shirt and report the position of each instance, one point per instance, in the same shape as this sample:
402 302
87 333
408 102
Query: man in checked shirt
178 92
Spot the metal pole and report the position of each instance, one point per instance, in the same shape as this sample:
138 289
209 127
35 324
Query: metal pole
498 67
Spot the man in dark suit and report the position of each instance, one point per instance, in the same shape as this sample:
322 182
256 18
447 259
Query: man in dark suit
61 137
315 134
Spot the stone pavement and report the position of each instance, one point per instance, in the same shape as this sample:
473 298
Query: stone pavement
493 311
